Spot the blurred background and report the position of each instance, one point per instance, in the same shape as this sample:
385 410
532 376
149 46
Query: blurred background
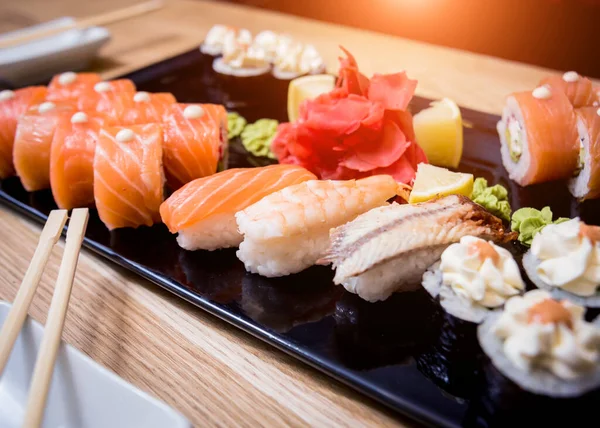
560 34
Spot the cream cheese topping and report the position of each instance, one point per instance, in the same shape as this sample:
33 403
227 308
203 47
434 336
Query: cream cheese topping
219 35
299 59
480 272
7 94
542 333
240 55
569 259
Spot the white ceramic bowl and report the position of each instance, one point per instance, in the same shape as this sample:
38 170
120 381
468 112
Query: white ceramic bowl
39 60
83 393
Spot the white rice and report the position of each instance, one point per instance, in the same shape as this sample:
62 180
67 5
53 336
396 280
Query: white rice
537 381
516 170
218 231
530 263
220 67
578 186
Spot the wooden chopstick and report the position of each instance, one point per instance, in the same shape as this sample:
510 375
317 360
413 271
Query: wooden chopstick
91 21
44 365
14 321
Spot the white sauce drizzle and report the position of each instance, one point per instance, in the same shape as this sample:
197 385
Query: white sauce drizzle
102 87
6 95
141 96
125 135
542 93
598 112
193 112
46 107
79 117
571 76
67 78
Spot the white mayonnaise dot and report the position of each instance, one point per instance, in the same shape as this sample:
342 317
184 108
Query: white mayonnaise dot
125 135
571 76
6 95
46 107
141 97
598 112
67 78
79 117
193 112
542 93
102 87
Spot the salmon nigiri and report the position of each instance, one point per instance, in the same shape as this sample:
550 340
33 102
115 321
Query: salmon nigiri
128 175
31 151
288 231
202 211
70 85
580 90
72 158
13 104
538 136
585 183
195 141
91 97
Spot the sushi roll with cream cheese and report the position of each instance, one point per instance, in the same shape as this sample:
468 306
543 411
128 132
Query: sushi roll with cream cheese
585 183
297 59
218 35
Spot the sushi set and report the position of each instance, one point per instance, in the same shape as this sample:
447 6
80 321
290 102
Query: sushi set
331 236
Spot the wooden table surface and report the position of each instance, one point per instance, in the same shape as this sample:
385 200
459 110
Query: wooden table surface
208 370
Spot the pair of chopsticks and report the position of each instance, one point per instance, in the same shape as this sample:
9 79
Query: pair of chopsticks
44 366
91 21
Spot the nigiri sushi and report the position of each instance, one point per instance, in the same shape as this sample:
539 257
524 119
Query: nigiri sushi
202 212
128 175
91 97
70 85
538 136
195 141
288 231
72 158
578 89
135 108
33 139
586 182
13 104
389 248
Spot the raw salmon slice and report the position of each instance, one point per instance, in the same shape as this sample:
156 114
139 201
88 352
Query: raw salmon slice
136 108
13 104
70 86
203 211
128 175
91 98
33 139
195 141
579 89
72 158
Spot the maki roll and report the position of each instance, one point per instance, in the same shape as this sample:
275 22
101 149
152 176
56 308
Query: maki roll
543 345
473 277
295 60
585 183
580 90
565 260
538 136
218 35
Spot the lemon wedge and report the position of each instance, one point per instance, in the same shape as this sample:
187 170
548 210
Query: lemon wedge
432 182
307 87
439 131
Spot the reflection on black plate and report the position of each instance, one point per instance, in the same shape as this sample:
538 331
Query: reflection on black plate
364 345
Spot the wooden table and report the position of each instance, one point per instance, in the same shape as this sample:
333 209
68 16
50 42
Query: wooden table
210 371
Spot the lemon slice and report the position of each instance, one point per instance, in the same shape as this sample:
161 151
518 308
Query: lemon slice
432 182
439 131
307 87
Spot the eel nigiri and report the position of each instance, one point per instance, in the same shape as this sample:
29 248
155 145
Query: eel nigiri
195 141
70 85
203 211
288 231
91 97
136 108
578 89
13 104
128 175
538 136
31 151
72 158
388 249
586 182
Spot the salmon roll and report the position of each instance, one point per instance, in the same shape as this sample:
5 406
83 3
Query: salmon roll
580 90
71 86
13 104
33 139
203 211
585 183
72 158
90 98
136 108
128 175
195 142
538 136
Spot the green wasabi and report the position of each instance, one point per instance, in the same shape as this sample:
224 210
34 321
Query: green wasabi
257 137
494 199
235 125
529 222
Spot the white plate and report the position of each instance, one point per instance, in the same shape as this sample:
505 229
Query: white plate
83 393
39 60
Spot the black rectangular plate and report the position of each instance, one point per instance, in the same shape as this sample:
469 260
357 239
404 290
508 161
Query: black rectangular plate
388 350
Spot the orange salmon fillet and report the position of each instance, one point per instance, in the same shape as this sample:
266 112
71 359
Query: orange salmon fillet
227 192
128 176
136 108
590 117
61 89
581 93
193 146
13 104
72 160
91 97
